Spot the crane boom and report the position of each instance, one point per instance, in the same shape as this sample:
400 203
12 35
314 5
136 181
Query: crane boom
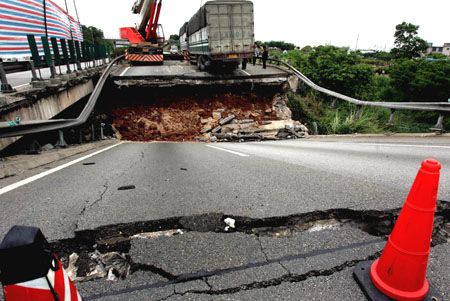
145 42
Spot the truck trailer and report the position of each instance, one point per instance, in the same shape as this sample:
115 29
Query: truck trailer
220 34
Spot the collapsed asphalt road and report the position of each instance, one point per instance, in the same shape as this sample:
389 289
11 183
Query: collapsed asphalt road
301 224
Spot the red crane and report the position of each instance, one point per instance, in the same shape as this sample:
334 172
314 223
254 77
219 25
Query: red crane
148 49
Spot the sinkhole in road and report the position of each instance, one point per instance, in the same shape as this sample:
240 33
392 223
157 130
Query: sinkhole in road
104 251
202 114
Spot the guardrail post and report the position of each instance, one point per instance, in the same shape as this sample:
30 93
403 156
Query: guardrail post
93 132
6 88
61 142
391 118
33 71
102 126
78 53
316 128
65 55
333 103
358 113
439 125
48 57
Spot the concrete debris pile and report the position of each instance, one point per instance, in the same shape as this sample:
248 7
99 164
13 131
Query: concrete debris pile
112 266
224 117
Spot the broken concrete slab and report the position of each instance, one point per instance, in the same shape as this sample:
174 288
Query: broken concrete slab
195 252
217 129
226 120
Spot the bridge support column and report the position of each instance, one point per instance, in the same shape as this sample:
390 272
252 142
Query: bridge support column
6 88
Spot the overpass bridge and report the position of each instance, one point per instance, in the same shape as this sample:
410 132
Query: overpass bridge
37 114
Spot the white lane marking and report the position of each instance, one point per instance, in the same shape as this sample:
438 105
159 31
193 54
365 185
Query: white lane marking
20 86
245 72
229 151
124 71
48 172
386 144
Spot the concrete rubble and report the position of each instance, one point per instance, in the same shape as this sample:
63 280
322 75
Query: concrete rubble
223 117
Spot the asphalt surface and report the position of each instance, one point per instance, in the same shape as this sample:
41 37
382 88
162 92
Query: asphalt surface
254 180
176 68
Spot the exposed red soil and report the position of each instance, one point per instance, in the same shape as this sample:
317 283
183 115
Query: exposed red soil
181 119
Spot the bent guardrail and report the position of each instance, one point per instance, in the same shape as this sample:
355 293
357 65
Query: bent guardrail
10 129
438 107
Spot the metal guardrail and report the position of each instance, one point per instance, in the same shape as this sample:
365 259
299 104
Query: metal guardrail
438 107
10 129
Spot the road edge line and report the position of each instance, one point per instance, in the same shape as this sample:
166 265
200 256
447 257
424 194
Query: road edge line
53 170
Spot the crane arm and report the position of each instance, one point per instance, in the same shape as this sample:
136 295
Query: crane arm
153 22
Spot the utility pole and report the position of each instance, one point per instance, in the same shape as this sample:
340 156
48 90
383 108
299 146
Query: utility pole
357 40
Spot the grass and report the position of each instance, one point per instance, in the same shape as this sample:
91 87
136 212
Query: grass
311 108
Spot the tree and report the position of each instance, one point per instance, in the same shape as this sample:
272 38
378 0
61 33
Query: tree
337 70
92 34
407 43
281 45
307 49
174 37
420 80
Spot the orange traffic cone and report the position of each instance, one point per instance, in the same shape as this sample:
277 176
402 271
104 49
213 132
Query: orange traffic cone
400 271
30 271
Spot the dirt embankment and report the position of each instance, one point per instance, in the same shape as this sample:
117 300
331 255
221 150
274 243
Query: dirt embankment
185 119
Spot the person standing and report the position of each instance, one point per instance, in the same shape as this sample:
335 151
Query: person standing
255 54
265 56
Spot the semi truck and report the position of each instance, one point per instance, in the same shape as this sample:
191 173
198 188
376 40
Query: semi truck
220 35
147 38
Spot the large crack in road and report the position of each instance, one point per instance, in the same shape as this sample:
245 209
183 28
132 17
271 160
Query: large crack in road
287 246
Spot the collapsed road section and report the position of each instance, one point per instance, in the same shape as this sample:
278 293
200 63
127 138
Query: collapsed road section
174 102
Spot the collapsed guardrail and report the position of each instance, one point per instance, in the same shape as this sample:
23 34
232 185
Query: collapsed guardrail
10 129
438 107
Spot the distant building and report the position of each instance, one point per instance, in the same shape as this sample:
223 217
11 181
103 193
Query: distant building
445 50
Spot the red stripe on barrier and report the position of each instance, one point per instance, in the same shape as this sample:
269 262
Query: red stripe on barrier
21 10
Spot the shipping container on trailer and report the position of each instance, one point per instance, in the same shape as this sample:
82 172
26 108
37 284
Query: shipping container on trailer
221 34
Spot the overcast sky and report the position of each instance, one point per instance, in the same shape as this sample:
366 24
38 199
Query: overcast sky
313 22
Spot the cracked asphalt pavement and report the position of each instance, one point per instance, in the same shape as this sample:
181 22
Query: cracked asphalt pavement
192 187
